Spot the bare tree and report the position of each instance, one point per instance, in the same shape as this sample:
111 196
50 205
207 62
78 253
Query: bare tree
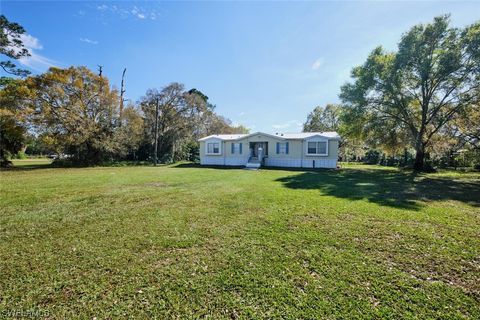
122 92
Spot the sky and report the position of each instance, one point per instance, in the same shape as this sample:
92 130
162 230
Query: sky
265 65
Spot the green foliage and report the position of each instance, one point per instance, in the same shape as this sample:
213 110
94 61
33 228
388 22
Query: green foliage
12 114
78 114
192 151
13 119
372 157
21 155
12 137
11 46
323 119
36 146
411 95
183 118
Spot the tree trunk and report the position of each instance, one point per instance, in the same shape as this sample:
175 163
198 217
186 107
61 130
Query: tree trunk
419 158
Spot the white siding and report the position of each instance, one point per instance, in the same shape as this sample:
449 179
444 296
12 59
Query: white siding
211 160
320 163
299 163
236 161
279 162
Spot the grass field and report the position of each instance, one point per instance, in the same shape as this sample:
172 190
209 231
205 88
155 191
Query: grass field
188 242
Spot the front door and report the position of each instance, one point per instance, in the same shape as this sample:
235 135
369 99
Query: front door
258 148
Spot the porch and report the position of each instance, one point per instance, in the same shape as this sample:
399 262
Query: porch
258 153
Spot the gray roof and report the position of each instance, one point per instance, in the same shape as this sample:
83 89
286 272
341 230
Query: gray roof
283 136
304 135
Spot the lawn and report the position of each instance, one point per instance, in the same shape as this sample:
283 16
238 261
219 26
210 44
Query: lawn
187 242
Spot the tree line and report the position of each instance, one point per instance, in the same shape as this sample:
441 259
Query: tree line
418 105
76 113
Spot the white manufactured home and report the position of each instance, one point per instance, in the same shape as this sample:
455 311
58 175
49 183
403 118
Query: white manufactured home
300 150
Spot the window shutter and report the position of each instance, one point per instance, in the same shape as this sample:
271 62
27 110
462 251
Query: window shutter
233 148
278 147
240 148
286 147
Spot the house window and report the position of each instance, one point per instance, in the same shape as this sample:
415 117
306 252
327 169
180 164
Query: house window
317 148
236 148
213 148
282 147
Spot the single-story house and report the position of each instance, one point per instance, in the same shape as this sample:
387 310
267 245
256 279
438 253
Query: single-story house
301 150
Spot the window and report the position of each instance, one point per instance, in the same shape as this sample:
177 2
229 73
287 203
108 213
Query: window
319 148
236 148
213 148
282 147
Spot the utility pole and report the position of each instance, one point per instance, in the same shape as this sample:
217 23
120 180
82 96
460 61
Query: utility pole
156 134
122 91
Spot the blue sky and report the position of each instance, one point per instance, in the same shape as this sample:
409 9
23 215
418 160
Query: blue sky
264 64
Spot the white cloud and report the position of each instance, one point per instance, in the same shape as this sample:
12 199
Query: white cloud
35 61
89 41
241 114
128 11
317 64
281 126
289 124
31 42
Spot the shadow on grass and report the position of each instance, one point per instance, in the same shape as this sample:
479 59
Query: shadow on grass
385 187
221 167
28 166
25 166
199 166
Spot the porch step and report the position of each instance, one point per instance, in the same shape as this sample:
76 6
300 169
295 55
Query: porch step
253 165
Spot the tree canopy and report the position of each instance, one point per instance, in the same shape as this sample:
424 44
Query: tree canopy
13 114
12 47
323 119
431 80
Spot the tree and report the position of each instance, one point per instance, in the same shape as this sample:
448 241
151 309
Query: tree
416 91
11 46
184 116
172 114
76 111
467 127
14 115
13 127
129 134
323 119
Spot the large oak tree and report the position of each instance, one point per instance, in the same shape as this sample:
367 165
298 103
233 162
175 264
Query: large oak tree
430 81
77 111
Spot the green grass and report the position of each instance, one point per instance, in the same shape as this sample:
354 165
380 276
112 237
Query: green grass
32 163
188 242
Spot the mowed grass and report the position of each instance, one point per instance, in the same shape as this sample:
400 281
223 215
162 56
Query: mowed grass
189 242
32 163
